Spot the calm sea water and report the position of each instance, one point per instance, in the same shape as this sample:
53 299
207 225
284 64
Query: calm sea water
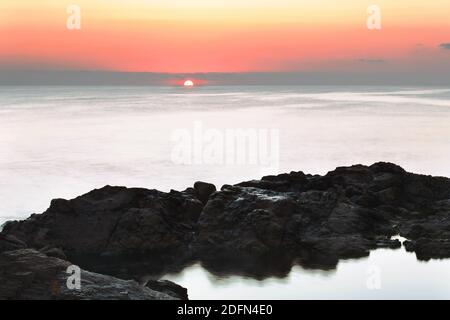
60 142
385 274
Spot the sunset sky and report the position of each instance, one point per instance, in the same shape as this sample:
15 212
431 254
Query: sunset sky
181 36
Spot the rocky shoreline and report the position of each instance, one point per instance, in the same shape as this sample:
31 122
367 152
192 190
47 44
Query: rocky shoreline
258 228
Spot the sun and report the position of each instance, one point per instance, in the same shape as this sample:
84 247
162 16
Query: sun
188 83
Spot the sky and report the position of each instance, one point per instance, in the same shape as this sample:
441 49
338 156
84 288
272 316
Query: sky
227 36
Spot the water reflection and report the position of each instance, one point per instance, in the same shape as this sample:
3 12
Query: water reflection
401 276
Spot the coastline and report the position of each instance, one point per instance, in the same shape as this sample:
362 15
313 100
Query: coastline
296 218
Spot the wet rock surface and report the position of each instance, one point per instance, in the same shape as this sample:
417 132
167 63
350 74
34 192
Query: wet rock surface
257 228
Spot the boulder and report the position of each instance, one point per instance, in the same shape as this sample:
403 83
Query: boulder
168 287
27 274
113 221
203 190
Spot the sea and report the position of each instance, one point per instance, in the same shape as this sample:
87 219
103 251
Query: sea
63 141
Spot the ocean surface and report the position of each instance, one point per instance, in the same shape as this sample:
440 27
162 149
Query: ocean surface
60 142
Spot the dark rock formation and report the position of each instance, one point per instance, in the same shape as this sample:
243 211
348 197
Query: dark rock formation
317 220
254 227
114 221
203 190
426 248
10 242
29 274
53 252
169 288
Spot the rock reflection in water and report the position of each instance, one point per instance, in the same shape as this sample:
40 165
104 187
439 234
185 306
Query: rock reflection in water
421 280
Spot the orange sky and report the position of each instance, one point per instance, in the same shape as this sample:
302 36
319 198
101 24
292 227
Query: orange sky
224 36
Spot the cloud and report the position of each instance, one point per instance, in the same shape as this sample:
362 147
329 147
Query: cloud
445 46
372 60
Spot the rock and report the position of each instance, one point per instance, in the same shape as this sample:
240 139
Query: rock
409 245
53 252
321 219
385 242
203 190
168 287
10 242
277 221
427 249
29 274
113 221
